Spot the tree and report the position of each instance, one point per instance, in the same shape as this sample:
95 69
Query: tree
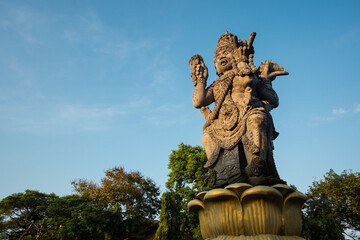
123 205
185 179
35 215
136 197
169 224
319 221
333 207
22 214
77 217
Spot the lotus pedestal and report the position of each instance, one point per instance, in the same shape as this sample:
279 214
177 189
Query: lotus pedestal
243 212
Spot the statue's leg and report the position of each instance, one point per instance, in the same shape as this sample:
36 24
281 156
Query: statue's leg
255 143
223 164
212 149
274 177
228 166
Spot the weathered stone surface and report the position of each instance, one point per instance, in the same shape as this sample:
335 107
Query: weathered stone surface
239 131
241 211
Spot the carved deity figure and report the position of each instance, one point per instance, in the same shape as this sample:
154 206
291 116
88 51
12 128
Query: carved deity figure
239 131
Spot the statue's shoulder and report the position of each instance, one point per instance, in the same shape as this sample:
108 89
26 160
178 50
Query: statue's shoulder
215 86
212 85
224 78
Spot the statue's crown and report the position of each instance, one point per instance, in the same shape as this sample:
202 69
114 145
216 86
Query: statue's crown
228 38
227 41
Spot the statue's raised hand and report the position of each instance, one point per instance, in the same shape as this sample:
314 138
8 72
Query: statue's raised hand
270 70
243 54
199 72
245 49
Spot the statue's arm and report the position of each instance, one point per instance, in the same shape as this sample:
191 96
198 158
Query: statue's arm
267 94
199 73
202 97
268 72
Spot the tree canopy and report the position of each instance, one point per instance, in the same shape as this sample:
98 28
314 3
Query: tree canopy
123 205
170 221
126 205
78 217
23 214
135 196
185 179
333 207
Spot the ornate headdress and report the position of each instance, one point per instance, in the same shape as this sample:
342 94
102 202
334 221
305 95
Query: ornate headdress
227 42
243 51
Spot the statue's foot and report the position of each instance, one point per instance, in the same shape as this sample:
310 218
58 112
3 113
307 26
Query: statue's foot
255 181
256 168
275 180
222 183
218 184
239 178
262 180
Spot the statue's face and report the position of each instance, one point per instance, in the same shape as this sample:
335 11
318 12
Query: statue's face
223 62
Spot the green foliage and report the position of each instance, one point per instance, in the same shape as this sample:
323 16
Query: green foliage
332 208
136 197
77 217
123 205
35 215
185 179
169 225
319 221
24 214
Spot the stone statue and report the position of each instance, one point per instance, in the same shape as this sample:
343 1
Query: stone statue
247 199
239 131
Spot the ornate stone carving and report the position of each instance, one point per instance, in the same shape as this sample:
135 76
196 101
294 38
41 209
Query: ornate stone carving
239 131
243 212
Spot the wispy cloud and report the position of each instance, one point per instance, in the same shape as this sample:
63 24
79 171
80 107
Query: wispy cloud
89 30
348 38
147 58
64 119
23 21
86 118
29 82
324 119
356 108
72 112
85 28
50 119
338 111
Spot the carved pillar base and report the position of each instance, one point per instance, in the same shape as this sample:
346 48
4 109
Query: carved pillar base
243 212
258 237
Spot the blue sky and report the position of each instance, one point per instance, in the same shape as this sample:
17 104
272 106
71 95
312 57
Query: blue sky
89 85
